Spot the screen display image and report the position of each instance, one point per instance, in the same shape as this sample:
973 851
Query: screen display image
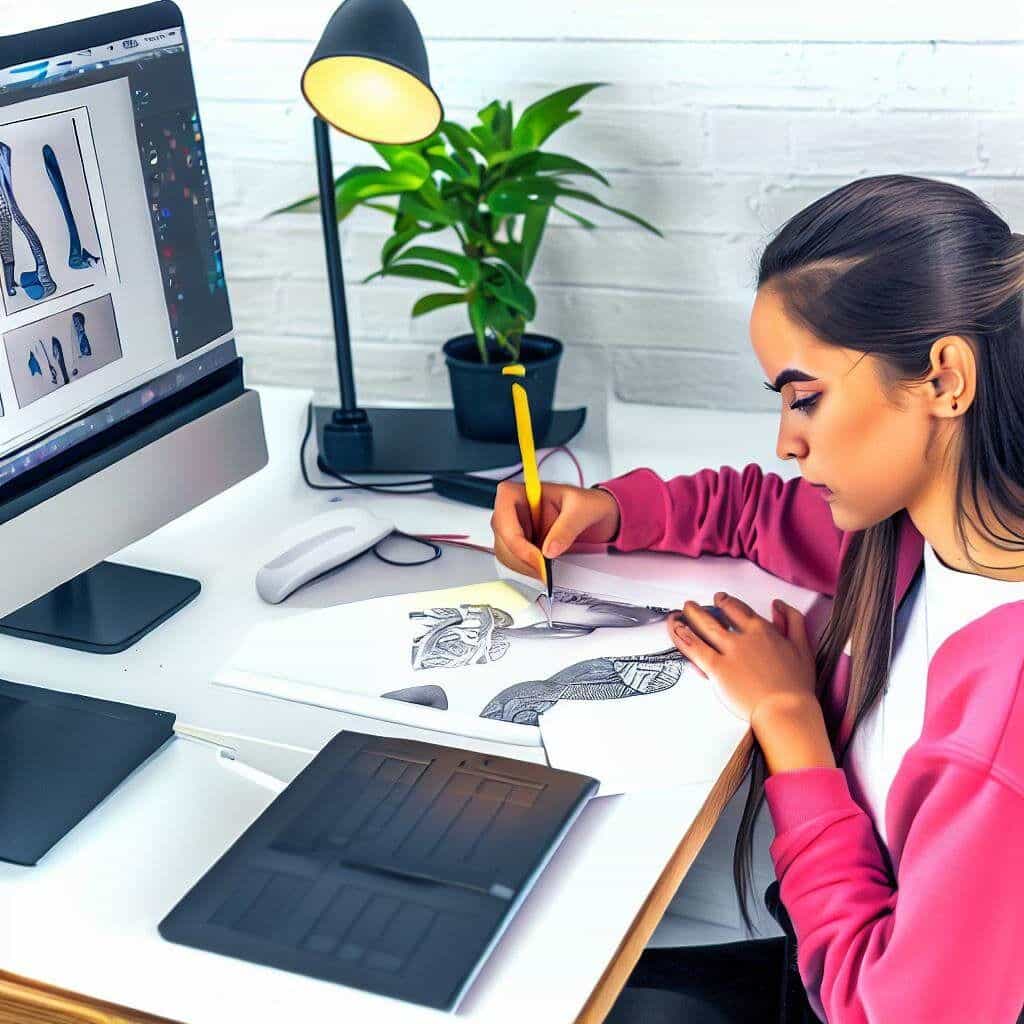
48 235
62 349
113 277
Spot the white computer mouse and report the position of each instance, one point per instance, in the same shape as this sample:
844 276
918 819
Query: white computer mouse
317 546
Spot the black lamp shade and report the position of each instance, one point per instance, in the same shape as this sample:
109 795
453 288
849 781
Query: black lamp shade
368 76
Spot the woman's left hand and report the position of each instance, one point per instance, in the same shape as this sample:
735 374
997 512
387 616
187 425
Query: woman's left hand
754 662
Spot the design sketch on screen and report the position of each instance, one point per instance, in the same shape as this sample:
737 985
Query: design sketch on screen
476 634
61 349
594 679
49 240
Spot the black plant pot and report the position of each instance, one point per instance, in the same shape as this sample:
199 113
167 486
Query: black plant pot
482 395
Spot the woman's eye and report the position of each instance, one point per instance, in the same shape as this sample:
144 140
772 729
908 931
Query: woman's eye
805 404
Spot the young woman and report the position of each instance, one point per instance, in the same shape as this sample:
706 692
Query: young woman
888 316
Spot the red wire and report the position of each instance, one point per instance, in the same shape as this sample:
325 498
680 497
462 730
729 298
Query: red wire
459 539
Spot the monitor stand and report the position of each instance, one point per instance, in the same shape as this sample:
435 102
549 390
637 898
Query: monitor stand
104 610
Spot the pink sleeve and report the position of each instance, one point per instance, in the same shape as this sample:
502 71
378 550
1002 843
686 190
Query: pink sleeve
784 526
944 944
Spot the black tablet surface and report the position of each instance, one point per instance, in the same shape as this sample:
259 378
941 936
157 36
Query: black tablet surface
388 864
60 755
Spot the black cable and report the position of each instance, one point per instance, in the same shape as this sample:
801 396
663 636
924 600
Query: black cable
408 536
423 485
395 487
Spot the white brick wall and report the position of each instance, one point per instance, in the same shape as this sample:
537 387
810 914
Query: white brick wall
717 126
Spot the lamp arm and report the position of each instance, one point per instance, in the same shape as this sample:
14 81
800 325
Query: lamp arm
335 276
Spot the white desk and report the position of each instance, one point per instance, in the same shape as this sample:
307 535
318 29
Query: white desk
85 918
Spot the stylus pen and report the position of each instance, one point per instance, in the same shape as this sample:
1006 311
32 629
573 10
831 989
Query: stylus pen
531 475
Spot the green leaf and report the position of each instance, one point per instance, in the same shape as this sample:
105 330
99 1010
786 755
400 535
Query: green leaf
468 270
588 224
510 252
461 140
299 204
539 120
498 120
416 270
521 196
511 289
405 159
499 157
586 197
485 140
383 207
470 166
411 205
556 163
355 171
446 165
437 300
390 248
533 230
490 114
501 319
353 190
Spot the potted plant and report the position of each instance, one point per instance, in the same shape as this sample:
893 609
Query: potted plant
493 186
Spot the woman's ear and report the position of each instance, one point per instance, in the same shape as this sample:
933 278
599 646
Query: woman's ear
953 374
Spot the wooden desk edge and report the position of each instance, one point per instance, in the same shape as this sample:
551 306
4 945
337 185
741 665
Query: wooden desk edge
23 1001
635 940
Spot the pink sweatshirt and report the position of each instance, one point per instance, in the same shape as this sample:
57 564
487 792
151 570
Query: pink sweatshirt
943 941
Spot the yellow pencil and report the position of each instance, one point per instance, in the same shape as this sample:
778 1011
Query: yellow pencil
531 475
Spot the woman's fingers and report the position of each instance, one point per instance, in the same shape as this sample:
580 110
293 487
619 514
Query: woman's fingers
738 612
686 641
523 557
564 530
796 626
507 519
705 625
511 523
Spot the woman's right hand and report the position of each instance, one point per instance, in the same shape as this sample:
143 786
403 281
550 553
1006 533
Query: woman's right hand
568 514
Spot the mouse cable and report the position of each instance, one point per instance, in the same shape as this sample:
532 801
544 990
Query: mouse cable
436 548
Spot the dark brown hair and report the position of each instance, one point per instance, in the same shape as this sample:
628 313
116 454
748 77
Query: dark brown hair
887 265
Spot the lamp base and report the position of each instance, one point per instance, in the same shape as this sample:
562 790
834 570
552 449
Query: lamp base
418 441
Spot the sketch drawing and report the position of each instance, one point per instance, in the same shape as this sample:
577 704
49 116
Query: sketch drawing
476 634
593 679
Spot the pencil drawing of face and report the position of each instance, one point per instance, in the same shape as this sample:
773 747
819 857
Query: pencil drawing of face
594 679
476 634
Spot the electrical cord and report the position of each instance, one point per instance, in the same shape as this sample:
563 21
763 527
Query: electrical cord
422 485
394 487
408 536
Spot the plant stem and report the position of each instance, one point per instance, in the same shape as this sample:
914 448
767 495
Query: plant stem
504 343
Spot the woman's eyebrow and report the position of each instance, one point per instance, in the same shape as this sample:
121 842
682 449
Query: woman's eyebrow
786 377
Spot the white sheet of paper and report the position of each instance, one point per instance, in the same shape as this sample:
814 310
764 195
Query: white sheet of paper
605 690
661 741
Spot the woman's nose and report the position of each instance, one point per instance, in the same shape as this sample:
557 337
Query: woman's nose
790 444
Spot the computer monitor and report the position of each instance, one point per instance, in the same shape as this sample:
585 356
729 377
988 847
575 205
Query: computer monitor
122 403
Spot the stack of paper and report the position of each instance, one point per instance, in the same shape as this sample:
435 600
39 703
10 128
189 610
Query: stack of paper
604 691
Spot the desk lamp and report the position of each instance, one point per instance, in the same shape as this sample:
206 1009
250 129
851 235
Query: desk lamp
368 77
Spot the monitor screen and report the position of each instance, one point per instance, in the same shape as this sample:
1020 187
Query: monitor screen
113 291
